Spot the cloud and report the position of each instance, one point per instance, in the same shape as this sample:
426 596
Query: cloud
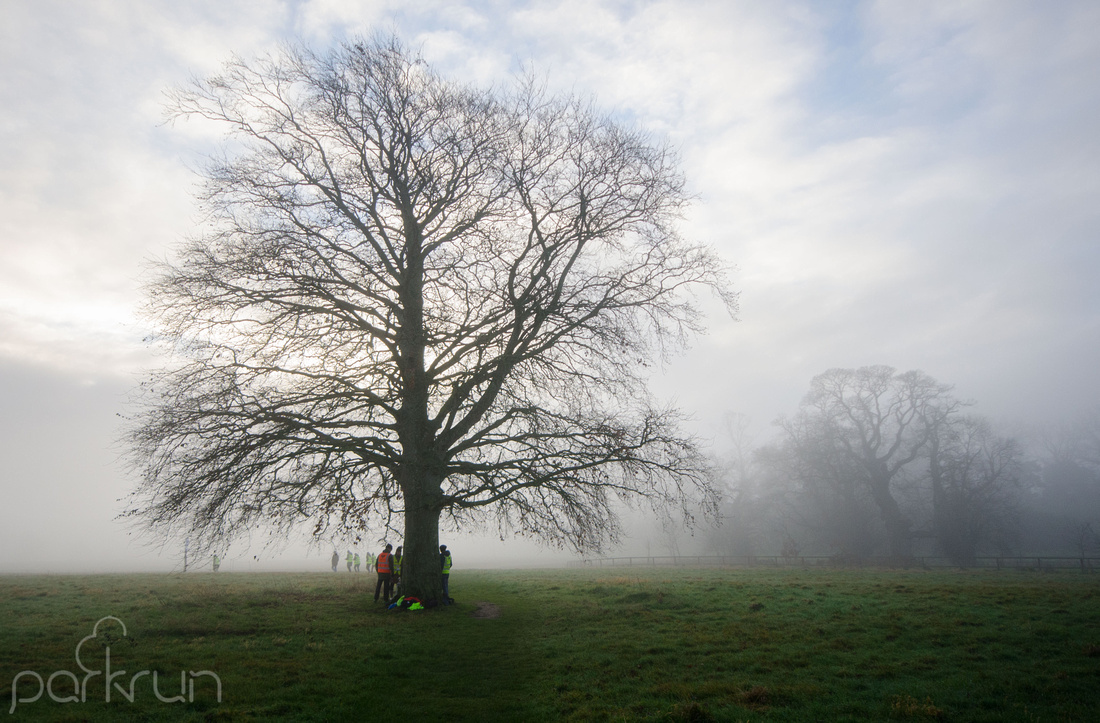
93 183
929 212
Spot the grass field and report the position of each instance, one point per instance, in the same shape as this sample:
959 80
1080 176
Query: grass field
623 644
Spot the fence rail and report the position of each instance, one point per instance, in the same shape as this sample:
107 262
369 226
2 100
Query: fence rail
1033 562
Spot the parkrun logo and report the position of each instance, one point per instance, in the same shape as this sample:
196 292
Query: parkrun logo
80 686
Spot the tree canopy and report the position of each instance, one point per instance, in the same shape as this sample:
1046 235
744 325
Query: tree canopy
412 298
874 446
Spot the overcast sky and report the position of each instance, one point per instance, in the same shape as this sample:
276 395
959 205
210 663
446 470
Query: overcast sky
904 183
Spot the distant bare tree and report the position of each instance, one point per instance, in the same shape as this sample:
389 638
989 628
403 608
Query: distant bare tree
862 427
816 489
1076 443
739 524
1085 539
413 301
1066 500
976 477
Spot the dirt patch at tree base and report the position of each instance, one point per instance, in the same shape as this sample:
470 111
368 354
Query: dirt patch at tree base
486 610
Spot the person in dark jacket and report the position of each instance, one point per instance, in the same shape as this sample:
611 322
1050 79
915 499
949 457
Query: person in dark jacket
398 558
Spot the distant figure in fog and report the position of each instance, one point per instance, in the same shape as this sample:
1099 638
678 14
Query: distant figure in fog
335 560
217 563
357 562
349 560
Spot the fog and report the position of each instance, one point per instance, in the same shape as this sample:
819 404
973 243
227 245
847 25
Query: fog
903 184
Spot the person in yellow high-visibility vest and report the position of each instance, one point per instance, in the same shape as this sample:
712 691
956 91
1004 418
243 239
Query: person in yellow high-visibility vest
398 556
445 565
349 560
357 562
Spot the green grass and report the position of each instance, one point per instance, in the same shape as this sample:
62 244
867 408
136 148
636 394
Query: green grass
620 644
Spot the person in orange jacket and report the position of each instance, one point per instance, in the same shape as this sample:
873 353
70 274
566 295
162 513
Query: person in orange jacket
383 565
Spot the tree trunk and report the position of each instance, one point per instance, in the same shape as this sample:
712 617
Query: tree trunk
421 576
897 524
419 476
420 572
939 494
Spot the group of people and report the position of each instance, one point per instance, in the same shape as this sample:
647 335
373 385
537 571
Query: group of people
353 561
388 567
387 564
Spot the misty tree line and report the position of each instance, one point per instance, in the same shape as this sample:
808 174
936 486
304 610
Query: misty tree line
881 462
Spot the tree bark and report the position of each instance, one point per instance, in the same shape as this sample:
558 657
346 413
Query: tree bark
420 571
421 475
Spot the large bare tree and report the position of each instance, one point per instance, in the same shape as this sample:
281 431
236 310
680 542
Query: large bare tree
414 300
